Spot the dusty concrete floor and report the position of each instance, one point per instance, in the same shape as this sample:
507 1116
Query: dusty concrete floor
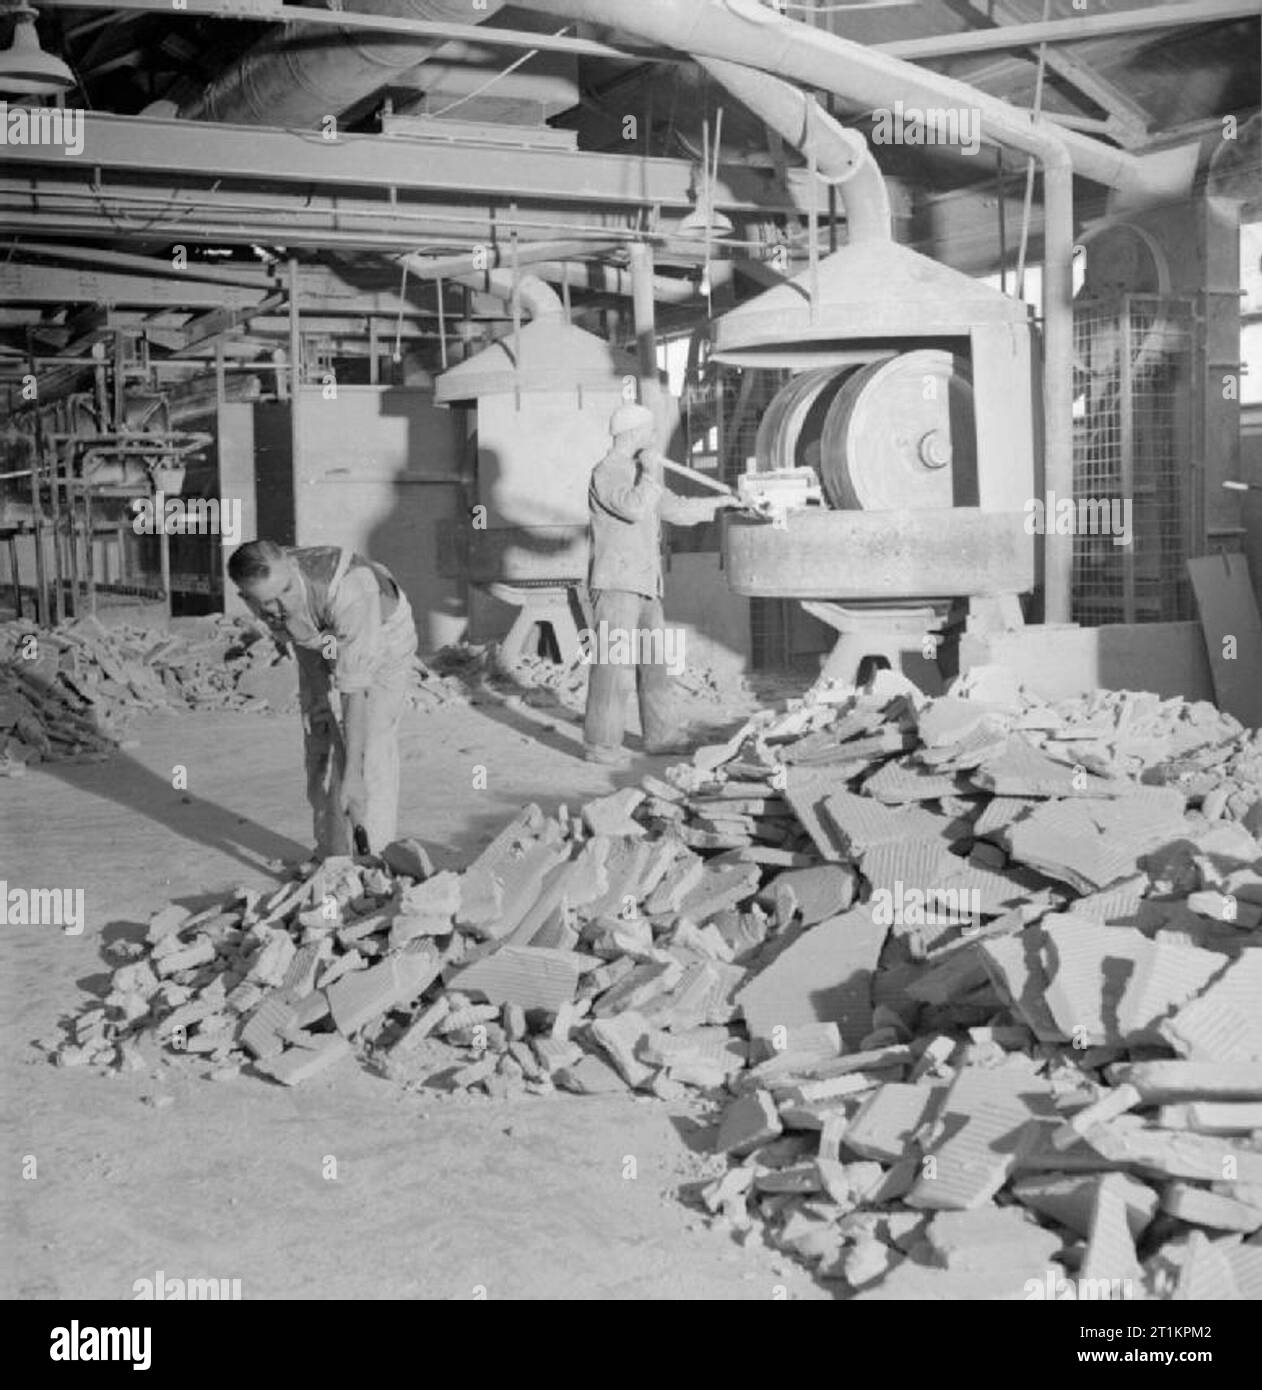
433 1198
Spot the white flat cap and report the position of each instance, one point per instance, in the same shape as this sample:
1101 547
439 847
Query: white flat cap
630 417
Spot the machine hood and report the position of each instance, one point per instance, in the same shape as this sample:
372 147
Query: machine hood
552 355
875 289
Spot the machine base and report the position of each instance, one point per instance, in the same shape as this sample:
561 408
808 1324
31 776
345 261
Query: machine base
822 553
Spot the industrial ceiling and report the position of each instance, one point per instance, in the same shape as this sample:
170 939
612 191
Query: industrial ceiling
395 152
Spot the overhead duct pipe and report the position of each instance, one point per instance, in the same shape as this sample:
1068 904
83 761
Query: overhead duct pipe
842 157
302 75
753 34
467 77
746 32
580 275
528 253
613 280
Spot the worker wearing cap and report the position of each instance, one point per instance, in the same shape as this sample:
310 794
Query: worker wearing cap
352 630
627 501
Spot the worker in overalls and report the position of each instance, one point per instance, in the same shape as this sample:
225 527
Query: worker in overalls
352 631
627 501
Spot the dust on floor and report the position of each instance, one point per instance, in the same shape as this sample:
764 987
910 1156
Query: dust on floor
347 1188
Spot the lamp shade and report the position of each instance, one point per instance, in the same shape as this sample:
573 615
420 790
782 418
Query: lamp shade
25 69
695 225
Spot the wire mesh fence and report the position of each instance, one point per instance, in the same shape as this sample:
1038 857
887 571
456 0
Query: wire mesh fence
1137 477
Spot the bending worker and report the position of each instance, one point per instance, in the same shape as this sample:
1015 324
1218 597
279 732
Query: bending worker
352 630
627 501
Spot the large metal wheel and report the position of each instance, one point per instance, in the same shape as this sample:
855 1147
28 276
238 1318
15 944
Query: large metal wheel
900 434
793 420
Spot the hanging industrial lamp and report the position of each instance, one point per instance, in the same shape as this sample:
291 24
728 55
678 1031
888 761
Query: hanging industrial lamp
25 69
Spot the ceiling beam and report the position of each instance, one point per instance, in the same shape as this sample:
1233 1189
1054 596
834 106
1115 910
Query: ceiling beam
1128 121
142 144
377 288
79 331
85 329
50 206
1076 30
261 11
28 283
269 330
222 323
252 277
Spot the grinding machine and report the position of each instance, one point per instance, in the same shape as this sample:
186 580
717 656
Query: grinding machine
891 472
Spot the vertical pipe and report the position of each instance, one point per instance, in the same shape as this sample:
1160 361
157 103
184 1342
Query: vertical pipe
397 356
648 119
37 524
1058 378
442 322
830 107
645 326
221 396
295 331
374 367
1030 162
295 380
15 575
512 245
88 525
710 205
164 560
812 216
119 381
72 530
102 388
1126 444
36 505
1003 222
54 507
706 199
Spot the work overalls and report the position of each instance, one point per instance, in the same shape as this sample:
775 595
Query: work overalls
625 508
315 641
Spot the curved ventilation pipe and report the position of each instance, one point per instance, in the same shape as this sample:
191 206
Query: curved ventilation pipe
302 74
841 156
538 300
